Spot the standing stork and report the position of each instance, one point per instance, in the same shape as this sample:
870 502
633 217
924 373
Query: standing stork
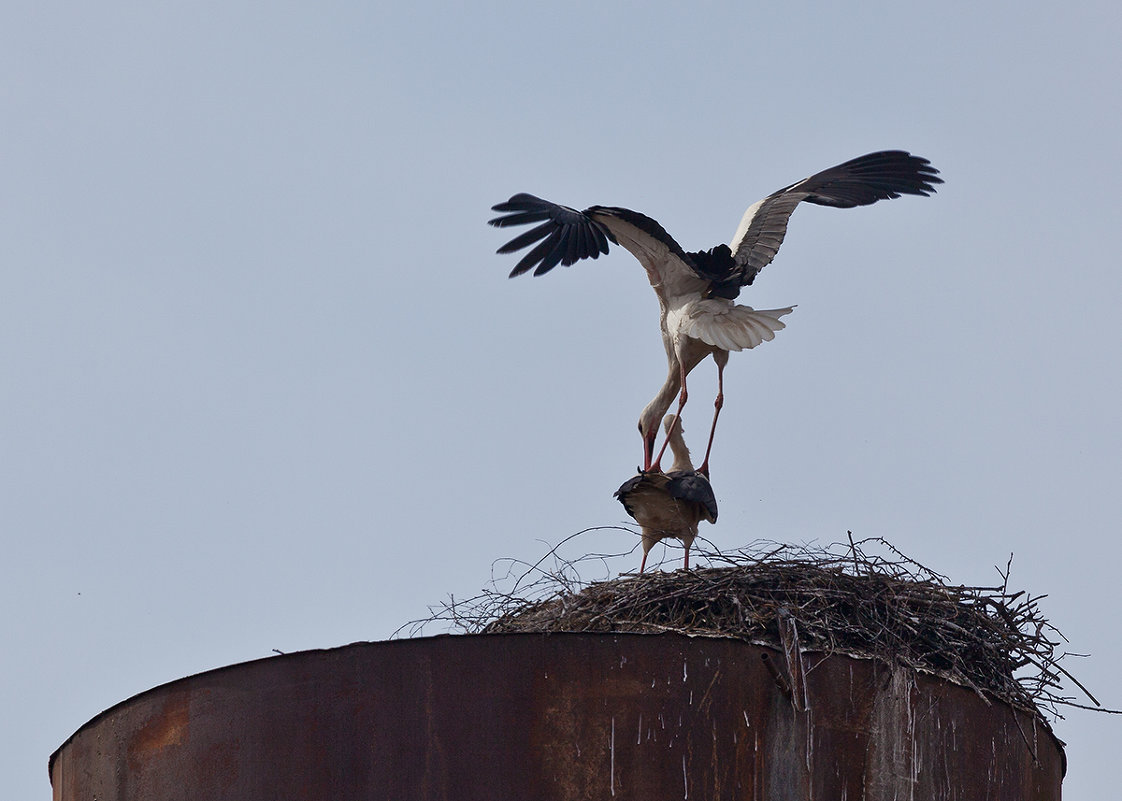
669 504
696 289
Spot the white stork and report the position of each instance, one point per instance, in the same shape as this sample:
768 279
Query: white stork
696 290
669 504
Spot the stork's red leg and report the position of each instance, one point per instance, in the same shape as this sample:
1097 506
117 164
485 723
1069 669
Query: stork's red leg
717 404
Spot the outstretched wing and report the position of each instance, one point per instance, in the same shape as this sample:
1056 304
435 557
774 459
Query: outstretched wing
565 236
877 176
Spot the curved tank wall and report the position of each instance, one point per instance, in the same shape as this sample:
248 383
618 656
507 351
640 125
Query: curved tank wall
558 716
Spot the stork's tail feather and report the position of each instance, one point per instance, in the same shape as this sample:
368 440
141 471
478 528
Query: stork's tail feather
738 327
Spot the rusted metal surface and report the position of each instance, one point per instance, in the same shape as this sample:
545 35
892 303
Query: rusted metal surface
560 716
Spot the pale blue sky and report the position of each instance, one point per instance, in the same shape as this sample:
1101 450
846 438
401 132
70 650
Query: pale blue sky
266 384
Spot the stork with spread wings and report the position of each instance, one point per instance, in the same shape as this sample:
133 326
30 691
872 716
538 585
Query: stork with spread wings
696 290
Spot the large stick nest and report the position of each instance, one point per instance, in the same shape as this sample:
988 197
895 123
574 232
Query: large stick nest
840 600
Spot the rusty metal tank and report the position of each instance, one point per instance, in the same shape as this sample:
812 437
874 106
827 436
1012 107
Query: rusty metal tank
557 716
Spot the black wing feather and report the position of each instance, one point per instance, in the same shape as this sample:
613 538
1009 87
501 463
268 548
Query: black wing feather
539 253
527 238
555 256
521 218
689 485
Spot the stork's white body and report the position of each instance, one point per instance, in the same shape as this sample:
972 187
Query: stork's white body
693 326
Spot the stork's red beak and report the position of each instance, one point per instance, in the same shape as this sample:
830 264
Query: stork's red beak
648 449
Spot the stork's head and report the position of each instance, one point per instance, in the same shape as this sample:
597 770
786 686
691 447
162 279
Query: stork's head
648 430
651 416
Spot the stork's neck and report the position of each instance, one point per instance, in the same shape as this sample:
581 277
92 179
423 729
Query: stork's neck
682 460
653 412
681 452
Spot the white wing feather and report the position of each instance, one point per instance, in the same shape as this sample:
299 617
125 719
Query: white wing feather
668 274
